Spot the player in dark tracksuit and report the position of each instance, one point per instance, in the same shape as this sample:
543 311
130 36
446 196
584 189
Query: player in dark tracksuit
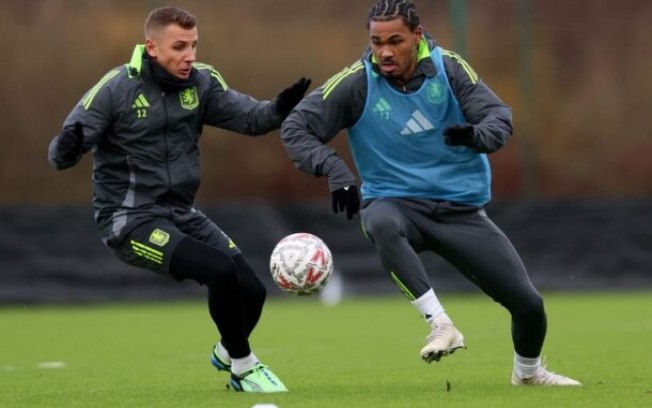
420 124
142 122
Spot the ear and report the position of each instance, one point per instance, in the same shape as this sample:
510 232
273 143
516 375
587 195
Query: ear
150 47
418 33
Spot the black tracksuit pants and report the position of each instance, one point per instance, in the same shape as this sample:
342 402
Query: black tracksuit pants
190 246
466 238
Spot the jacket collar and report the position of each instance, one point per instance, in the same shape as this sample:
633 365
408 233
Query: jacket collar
136 63
142 64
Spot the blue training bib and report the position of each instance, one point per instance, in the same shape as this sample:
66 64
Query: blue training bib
398 146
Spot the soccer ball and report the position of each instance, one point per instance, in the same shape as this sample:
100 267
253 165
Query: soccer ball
301 264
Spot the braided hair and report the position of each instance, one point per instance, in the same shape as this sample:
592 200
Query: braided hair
385 10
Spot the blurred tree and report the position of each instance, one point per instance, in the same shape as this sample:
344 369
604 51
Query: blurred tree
590 84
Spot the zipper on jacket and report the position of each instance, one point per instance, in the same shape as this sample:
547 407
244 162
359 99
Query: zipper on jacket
167 146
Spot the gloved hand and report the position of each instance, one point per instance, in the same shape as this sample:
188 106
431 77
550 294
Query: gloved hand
460 135
69 146
346 198
289 97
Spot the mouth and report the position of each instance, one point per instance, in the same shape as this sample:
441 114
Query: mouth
388 67
184 72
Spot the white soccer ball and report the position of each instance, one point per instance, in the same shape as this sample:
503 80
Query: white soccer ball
301 264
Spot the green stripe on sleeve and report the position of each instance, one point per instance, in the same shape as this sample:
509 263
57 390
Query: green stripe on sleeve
339 77
88 99
473 76
214 73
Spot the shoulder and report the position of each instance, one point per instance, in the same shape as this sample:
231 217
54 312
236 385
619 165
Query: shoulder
114 76
115 79
351 80
457 66
337 103
208 73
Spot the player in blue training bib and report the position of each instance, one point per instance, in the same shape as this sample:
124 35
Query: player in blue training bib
420 124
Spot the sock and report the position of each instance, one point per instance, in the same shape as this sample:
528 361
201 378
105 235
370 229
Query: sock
240 366
526 367
430 308
223 354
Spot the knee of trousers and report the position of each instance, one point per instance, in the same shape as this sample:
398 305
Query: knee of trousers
215 272
253 290
203 264
530 307
251 285
381 229
229 273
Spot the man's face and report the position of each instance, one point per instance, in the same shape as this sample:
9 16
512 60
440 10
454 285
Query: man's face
395 47
174 48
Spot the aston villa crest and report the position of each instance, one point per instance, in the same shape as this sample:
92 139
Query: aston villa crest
436 92
189 99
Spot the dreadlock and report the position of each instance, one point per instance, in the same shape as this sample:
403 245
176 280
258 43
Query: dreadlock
385 10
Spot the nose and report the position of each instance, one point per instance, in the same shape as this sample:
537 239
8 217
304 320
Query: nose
191 55
385 52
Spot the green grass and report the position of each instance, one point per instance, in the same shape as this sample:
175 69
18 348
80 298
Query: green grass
361 353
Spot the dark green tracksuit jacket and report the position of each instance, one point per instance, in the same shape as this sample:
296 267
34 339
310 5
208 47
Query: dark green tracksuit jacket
144 141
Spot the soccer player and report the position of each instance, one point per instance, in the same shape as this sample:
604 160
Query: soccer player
420 125
142 122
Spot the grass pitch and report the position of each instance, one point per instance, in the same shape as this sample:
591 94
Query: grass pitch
363 352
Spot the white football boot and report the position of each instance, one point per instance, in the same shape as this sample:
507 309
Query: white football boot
544 377
442 341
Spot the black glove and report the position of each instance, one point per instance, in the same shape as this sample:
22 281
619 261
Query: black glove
346 198
460 135
289 97
69 146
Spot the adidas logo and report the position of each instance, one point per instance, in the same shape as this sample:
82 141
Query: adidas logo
383 109
140 102
417 123
141 105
